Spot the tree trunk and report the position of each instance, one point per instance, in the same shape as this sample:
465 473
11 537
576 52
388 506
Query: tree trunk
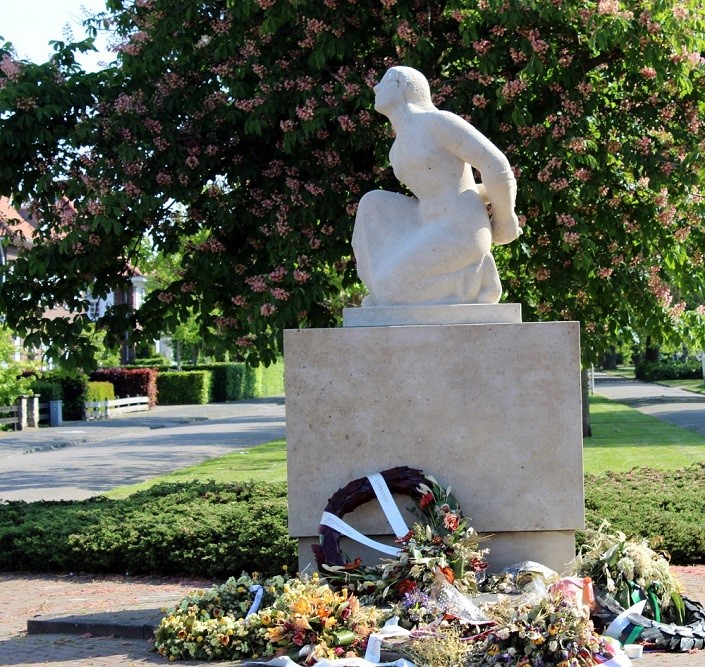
585 391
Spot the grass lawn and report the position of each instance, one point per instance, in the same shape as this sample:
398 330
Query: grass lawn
624 438
263 463
697 386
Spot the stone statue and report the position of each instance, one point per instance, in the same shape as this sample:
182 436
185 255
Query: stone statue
434 247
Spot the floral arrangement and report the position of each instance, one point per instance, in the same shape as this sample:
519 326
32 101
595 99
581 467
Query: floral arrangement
546 621
629 570
552 631
442 544
307 621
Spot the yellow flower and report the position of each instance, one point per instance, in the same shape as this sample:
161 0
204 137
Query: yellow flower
329 622
493 650
300 606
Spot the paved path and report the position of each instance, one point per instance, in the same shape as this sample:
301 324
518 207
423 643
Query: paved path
676 406
81 459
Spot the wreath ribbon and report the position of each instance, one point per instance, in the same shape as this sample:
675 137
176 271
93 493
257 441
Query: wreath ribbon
391 512
337 524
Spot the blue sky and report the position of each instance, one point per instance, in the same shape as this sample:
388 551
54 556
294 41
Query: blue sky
31 24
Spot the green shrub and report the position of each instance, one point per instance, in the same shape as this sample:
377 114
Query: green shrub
184 387
130 382
73 390
667 507
100 391
195 529
263 381
46 390
159 361
226 380
653 371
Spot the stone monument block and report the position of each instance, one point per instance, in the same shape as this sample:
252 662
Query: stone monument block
492 410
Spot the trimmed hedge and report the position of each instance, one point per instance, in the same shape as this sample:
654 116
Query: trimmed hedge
665 506
653 371
194 529
47 391
100 391
184 387
130 382
235 381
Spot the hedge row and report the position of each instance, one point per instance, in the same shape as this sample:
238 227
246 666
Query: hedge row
100 391
653 371
184 388
130 381
217 530
195 529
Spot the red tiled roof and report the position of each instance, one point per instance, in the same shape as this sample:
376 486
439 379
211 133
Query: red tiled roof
13 222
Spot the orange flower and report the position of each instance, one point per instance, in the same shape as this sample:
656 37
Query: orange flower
300 606
448 574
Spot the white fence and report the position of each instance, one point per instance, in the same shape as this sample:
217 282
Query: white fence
106 409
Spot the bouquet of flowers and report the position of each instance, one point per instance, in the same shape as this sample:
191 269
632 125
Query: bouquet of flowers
552 631
628 570
305 620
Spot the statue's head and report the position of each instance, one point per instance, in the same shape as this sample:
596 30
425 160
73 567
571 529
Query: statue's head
402 85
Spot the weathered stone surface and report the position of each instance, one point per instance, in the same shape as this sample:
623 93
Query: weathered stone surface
492 410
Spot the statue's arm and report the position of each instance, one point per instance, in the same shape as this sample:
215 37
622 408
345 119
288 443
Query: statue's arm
498 185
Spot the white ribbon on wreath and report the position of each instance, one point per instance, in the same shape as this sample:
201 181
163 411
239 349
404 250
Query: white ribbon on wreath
391 512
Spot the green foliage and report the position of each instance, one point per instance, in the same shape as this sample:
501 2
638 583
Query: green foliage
100 391
12 381
666 507
151 362
227 379
241 136
184 387
130 381
196 529
666 369
74 389
46 390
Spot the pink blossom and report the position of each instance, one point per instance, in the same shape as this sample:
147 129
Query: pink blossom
165 297
267 309
543 274
300 275
406 33
482 46
571 238
648 72
256 283
239 301
10 67
605 272
280 294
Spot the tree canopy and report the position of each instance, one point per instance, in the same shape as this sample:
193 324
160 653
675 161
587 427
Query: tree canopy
251 123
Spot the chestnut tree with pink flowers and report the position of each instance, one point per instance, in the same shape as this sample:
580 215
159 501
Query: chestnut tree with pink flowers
249 126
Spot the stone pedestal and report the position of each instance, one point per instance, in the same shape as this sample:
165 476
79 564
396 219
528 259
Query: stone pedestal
493 410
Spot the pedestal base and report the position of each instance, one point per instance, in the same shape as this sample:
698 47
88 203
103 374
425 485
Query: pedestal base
493 410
